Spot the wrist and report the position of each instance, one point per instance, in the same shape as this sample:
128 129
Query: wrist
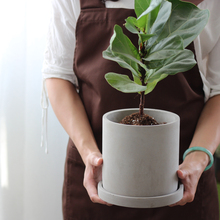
88 150
198 159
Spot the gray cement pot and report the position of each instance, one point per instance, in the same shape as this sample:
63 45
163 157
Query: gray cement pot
140 162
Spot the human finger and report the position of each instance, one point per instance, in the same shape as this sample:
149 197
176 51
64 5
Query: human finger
189 187
92 176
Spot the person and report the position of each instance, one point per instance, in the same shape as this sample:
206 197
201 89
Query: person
81 96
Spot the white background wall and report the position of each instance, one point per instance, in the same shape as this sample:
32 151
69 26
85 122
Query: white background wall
30 180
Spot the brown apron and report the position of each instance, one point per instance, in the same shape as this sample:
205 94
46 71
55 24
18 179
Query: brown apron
181 93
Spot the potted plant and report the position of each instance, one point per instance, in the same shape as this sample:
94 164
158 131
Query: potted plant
132 176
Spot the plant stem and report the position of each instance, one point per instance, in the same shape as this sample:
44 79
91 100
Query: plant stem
141 105
142 96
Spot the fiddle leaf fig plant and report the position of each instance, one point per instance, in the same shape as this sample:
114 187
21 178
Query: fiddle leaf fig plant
164 29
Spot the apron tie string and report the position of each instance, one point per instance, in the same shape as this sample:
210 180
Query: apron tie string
44 106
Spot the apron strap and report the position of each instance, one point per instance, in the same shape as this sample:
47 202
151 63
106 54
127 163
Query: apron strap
85 4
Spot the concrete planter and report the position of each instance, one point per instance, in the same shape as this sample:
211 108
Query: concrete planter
140 162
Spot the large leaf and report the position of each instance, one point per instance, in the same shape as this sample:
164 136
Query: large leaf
153 16
178 63
122 47
121 44
155 64
132 25
151 86
166 48
123 83
162 17
125 63
145 37
146 12
140 7
186 20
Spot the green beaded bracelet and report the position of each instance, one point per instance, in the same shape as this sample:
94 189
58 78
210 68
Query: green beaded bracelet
200 149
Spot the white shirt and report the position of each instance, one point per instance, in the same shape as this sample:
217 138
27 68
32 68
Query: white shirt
58 62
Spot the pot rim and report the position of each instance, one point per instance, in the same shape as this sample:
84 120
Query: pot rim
107 114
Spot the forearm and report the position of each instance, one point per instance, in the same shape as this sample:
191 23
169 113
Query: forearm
70 111
207 133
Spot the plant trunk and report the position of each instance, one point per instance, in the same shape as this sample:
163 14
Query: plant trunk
142 95
141 106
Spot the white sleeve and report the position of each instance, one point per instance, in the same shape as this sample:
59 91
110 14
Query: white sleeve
213 70
60 46
58 59
207 47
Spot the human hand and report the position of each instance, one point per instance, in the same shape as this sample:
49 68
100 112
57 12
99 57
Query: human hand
93 175
189 173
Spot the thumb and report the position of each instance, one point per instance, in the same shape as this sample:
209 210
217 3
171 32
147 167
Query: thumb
96 160
99 161
181 174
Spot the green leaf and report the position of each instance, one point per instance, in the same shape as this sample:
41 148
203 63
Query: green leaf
149 73
155 64
146 12
153 15
151 86
145 37
125 63
123 83
122 47
139 7
160 22
125 53
178 63
166 48
186 20
131 25
120 44
137 80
